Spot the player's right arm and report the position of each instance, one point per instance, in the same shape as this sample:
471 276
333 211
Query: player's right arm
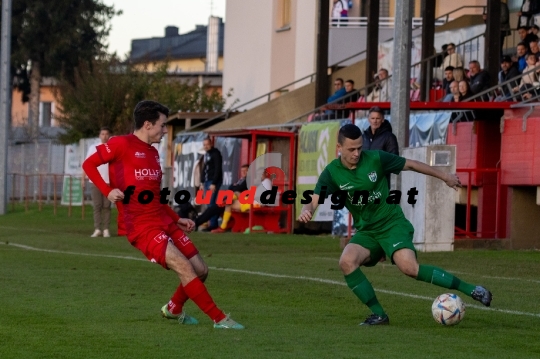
105 153
325 180
309 209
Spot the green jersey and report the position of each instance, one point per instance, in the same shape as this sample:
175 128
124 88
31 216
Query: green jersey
366 187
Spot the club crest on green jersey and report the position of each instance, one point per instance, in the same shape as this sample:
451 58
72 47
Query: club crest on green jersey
373 176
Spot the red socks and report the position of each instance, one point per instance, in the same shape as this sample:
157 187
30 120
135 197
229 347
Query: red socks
177 301
197 292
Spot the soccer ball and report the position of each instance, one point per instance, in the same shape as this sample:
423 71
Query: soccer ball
448 309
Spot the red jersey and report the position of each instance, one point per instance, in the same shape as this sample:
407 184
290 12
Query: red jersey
133 162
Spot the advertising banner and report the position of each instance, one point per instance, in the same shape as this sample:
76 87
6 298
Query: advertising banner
316 149
72 188
188 161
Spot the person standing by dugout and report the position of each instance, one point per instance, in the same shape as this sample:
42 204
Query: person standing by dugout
212 176
379 135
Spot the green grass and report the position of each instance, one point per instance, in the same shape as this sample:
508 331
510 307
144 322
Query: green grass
63 304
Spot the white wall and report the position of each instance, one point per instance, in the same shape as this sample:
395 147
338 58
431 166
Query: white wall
247 52
306 40
257 58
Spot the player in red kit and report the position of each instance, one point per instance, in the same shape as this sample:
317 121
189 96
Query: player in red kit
151 225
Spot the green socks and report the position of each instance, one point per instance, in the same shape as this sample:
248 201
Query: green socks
440 277
362 288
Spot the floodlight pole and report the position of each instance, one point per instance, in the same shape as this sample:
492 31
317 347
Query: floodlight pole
401 74
5 100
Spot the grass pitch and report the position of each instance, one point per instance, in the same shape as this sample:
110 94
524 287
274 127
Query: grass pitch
66 295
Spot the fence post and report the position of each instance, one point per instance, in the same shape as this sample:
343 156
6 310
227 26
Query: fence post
70 184
82 199
39 193
54 193
13 193
26 193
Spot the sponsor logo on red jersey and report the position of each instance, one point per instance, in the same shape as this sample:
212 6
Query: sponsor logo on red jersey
147 174
140 154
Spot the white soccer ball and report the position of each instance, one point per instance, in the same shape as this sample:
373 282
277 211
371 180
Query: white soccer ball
448 309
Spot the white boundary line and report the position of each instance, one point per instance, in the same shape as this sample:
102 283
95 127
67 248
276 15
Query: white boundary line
271 275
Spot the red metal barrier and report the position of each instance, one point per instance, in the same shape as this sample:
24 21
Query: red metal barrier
40 189
479 234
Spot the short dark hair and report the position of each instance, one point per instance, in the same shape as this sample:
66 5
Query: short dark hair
245 166
148 111
376 109
449 68
535 27
521 44
526 28
349 131
339 79
105 128
529 55
350 81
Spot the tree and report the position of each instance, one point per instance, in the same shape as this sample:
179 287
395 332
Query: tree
52 38
106 93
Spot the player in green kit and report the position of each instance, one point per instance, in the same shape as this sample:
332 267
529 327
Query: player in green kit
381 228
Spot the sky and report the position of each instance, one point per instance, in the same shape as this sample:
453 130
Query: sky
144 19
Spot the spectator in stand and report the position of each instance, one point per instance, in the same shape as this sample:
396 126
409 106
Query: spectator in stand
529 77
340 12
526 37
440 58
479 79
535 50
464 90
528 9
454 95
453 58
535 29
520 57
340 92
459 74
448 79
508 72
351 95
382 90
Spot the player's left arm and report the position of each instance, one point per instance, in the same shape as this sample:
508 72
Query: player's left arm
185 224
450 179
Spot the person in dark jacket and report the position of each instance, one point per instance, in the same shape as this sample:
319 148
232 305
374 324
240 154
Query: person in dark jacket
212 176
379 135
508 72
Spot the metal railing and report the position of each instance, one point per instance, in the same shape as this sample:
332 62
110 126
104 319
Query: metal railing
45 189
384 22
512 90
467 233
443 18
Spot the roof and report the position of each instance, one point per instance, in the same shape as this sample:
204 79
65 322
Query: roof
182 46
272 114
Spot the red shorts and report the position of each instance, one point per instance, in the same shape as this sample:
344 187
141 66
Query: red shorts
153 243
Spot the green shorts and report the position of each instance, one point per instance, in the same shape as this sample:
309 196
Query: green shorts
397 235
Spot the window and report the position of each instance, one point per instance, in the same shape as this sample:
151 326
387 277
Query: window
45 114
284 11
